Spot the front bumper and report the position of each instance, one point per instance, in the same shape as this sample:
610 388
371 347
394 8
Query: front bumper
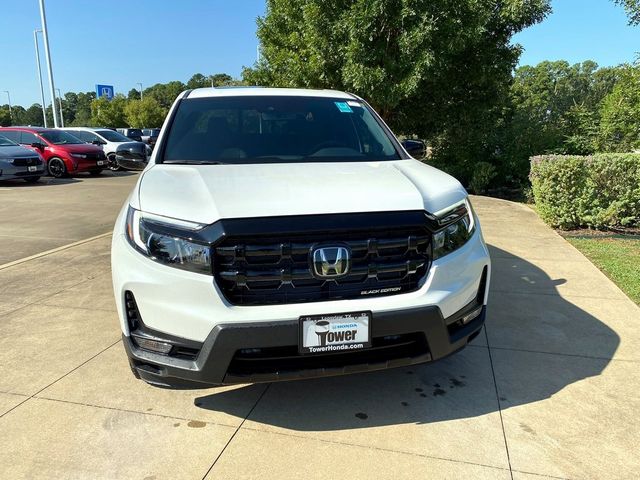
79 165
16 173
400 338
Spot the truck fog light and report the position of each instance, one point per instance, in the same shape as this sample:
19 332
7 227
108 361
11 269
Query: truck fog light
470 316
152 345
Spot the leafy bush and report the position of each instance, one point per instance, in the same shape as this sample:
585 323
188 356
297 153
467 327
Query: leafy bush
596 191
482 175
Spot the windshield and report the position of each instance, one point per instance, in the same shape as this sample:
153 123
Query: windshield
282 129
58 137
112 136
5 142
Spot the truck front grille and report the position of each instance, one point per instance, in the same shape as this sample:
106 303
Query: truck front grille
277 269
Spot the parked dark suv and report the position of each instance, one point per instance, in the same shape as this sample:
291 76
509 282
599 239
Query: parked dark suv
150 136
132 133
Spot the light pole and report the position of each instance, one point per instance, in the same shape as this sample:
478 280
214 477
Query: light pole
60 103
44 107
9 97
140 89
47 53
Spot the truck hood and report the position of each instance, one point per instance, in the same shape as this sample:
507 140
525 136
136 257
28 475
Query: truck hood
207 193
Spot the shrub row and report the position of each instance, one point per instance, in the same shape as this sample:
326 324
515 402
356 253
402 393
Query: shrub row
597 191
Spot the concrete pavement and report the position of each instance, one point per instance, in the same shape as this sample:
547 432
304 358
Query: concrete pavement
549 389
54 212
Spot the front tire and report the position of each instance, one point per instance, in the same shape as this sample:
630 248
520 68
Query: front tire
57 168
31 179
113 164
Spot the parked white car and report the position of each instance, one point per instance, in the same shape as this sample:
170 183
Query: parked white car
280 234
108 139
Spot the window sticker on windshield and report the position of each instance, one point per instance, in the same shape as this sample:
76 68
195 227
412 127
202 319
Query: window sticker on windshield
343 107
354 104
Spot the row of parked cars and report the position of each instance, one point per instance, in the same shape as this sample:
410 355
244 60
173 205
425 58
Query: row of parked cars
30 152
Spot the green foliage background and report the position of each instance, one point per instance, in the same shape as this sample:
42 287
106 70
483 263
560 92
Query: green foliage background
440 70
83 109
598 191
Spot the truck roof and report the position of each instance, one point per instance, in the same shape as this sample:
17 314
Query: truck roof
262 91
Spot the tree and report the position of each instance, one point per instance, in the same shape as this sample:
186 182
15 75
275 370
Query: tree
632 7
133 94
5 116
437 69
82 117
216 80
165 93
33 115
553 107
198 81
620 123
109 113
221 80
144 113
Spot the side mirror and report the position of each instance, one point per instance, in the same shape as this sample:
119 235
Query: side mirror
416 148
38 145
98 142
132 156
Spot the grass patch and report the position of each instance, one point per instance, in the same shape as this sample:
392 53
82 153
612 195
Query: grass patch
617 256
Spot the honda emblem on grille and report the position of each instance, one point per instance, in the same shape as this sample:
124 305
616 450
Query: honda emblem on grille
331 262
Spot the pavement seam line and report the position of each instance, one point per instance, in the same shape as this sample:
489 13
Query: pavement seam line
41 300
495 385
126 410
93 309
555 294
380 449
511 349
60 378
236 431
53 250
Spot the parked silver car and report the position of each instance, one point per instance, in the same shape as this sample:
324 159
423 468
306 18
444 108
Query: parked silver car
18 162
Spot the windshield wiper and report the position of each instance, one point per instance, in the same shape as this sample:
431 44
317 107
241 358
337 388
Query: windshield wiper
192 162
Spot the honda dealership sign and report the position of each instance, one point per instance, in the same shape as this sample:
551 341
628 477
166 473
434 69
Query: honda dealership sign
105 91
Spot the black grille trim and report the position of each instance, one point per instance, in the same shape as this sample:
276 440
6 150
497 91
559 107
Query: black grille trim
390 254
26 161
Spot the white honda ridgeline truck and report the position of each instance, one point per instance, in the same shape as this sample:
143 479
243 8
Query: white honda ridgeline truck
282 234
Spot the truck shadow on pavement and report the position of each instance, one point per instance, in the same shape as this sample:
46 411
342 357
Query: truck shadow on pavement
540 343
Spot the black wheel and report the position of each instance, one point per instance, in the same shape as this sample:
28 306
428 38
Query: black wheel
95 173
31 179
57 168
113 164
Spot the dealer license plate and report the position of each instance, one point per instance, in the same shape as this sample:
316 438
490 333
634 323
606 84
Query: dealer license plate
33 169
335 333
100 162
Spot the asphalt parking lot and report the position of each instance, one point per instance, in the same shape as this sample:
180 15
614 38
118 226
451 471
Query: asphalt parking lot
548 390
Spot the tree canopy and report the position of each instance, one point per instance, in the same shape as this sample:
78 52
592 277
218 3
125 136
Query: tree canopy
437 69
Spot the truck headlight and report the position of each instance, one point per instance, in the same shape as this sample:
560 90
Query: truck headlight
167 243
459 225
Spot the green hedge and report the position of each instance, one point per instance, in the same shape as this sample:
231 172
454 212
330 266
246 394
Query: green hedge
597 191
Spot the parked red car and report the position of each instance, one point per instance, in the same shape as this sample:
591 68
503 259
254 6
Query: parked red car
63 153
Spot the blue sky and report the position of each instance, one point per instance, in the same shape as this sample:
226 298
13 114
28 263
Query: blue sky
123 42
